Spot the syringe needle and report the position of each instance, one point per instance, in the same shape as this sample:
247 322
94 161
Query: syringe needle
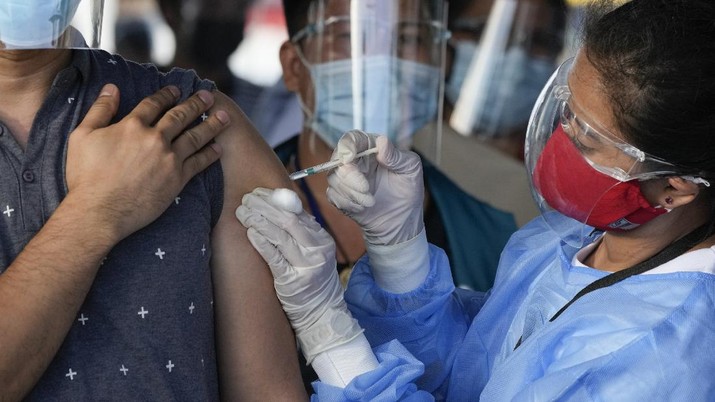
327 165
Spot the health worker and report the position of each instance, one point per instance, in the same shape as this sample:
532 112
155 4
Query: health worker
609 295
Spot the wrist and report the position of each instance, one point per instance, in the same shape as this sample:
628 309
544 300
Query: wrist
335 327
340 365
97 222
402 267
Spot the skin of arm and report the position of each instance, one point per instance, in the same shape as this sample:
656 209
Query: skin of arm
43 288
257 355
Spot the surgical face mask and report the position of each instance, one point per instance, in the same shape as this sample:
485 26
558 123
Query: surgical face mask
512 91
396 98
34 23
571 186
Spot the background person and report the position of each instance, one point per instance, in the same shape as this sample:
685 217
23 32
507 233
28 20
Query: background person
496 80
609 295
124 273
207 32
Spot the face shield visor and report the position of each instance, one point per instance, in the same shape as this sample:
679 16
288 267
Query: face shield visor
376 66
580 170
50 24
501 61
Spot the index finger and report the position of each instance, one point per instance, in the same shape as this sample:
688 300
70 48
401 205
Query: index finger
153 106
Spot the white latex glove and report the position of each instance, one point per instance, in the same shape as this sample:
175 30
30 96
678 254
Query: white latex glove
384 198
301 256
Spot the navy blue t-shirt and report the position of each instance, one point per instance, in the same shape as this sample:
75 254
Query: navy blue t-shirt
146 328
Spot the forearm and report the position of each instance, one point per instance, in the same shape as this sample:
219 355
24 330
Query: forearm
42 290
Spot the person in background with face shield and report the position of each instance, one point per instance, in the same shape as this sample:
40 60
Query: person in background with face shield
500 55
377 66
496 76
123 272
610 294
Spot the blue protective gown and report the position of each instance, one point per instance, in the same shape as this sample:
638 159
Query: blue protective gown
648 338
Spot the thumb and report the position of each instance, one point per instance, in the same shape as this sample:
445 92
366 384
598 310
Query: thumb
400 162
103 109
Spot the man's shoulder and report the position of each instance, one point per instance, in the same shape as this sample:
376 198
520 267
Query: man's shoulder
135 80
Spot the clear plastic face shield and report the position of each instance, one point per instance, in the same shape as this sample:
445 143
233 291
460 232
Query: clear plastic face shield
50 24
504 51
581 170
376 65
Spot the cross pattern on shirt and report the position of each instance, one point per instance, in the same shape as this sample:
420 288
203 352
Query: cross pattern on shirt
8 211
71 374
82 318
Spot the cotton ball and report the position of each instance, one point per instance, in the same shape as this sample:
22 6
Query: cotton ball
287 200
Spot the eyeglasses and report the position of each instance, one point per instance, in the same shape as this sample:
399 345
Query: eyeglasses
603 150
342 36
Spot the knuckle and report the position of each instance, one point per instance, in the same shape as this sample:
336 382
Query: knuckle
134 123
177 115
154 140
194 165
195 104
194 139
153 102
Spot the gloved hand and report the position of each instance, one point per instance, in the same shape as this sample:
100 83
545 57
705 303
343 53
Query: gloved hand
385 198
301 256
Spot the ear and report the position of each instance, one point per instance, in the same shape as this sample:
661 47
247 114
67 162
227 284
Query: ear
292 66
678 192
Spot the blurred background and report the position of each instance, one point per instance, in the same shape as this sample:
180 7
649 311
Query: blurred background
236 44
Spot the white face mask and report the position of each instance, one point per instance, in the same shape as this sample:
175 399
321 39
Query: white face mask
398 98
512 91
34 23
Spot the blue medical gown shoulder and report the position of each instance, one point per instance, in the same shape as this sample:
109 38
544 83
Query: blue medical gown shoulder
650 337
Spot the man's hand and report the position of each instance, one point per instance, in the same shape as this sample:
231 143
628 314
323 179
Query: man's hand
128 173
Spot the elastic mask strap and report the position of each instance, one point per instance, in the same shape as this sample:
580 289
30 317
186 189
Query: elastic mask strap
696 180
310 117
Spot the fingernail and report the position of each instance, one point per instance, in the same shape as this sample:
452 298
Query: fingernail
108 90
174 91
205 96
216 147
222 116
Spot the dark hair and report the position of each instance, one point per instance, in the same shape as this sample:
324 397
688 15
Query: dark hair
657 63
296 13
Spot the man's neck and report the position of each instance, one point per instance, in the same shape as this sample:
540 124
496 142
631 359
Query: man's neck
25 78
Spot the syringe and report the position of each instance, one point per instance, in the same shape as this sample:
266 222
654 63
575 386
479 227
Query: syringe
327 165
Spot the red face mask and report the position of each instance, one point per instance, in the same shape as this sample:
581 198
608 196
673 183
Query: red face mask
571 186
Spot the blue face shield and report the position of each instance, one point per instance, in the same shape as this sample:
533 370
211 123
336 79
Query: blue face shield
396 100
512 90
32 24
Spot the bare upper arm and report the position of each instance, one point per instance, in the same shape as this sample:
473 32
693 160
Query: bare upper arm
256 347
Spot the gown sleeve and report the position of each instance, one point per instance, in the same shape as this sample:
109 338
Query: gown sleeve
430 321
